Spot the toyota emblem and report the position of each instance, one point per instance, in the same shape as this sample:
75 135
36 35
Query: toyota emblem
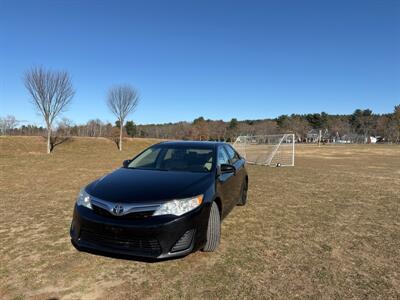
118 209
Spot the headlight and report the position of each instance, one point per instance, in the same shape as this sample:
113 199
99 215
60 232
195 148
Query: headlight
179 207
84 199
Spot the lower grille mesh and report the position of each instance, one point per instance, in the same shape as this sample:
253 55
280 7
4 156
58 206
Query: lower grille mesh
136 245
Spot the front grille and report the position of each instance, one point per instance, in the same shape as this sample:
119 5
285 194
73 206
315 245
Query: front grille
132 216
133 244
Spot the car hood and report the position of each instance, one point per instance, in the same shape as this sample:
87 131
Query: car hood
137 186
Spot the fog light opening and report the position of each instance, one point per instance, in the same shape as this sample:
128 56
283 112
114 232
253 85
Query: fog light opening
184 242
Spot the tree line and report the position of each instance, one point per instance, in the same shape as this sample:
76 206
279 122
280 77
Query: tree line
355 127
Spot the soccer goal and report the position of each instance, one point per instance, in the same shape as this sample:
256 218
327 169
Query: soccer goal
269 150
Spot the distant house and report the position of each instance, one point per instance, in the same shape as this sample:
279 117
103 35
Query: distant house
313 136
318 135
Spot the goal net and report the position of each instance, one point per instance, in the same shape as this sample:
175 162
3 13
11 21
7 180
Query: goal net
268 150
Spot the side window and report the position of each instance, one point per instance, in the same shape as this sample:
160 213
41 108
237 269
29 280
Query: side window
222 156
233 156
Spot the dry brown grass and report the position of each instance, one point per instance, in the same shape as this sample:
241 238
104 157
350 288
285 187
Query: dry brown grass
327 228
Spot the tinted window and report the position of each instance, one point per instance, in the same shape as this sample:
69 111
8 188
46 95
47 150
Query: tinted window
222 156
187 159
168 158
146 160
233 156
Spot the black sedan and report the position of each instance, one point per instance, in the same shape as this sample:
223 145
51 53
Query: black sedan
167 201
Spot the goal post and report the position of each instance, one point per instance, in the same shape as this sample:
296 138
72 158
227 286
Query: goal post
268 150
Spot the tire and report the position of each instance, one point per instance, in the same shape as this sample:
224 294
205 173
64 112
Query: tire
243 195
213 229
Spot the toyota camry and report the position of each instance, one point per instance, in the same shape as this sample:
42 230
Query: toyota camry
167 201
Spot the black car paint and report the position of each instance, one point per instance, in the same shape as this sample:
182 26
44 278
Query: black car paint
137 185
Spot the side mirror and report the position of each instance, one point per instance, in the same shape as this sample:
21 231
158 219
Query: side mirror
126 163
226 168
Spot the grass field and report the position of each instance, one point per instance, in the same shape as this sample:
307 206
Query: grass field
329 228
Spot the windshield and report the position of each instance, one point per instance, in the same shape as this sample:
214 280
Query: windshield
169 158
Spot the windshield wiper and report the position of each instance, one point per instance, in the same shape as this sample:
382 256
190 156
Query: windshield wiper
149 169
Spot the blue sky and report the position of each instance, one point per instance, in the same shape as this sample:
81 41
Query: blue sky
217 59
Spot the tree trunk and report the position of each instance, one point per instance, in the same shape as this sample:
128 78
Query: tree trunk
120 136
48 139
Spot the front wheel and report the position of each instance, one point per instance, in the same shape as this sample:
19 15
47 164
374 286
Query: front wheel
213 230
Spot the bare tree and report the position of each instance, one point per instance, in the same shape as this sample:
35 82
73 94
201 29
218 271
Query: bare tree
297 125
51 92
64 127
7 124
94 128
121 101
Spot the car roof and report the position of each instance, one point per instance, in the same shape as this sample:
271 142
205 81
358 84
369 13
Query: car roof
199 144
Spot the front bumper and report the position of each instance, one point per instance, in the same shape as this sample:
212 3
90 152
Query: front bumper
154 237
